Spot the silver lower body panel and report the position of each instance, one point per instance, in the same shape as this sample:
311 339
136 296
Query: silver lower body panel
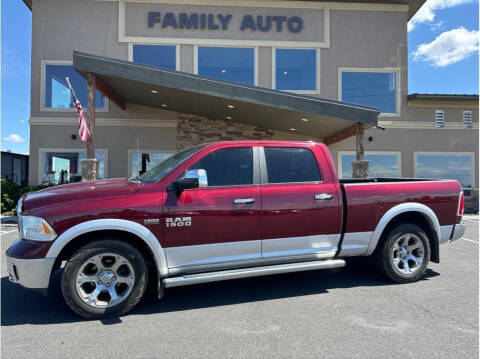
251 272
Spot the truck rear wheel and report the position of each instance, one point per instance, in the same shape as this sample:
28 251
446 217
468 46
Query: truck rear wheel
403 254
104 278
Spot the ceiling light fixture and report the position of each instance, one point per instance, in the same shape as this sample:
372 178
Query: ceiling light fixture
305 119
231 106
292 129
228 118
163 105
153 91
223 71
285 72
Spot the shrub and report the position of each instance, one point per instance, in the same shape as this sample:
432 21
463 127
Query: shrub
11 193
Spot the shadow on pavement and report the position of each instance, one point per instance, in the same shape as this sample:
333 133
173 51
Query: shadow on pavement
22 306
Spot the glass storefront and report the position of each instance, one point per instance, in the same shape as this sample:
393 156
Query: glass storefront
57 93
234 64
374 89
156 55
296 69
141 162
381 165
64 167
445 166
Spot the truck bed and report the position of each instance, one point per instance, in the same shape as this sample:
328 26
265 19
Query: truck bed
384 179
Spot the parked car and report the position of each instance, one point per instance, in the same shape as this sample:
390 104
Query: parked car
223 211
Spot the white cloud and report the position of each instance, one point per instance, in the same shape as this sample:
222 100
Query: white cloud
427 12
448 48
14 138
437 26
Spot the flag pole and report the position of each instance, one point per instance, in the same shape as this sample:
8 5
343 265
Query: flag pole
91 115
90 164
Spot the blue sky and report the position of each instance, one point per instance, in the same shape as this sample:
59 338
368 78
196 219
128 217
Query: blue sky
442 46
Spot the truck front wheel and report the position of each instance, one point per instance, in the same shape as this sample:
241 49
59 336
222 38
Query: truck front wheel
403 254
104 278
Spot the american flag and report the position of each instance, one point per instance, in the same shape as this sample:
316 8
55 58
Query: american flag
83 131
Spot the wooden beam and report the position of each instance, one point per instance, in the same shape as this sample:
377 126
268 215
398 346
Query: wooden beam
103 87
341 135
91 115
360 142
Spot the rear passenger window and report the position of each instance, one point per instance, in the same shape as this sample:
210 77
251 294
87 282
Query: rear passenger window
285 164
228 166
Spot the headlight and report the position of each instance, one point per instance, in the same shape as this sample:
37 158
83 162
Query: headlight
35 229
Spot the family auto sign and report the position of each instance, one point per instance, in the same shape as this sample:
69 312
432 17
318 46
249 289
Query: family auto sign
210 21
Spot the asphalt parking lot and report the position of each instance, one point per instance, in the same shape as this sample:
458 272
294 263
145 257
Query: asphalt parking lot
343 313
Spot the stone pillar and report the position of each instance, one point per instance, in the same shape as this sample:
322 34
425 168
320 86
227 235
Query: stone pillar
89 169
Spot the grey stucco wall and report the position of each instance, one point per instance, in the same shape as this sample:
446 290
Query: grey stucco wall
425 112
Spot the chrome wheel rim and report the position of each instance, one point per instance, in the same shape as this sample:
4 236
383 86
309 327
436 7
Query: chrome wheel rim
408 253
105 280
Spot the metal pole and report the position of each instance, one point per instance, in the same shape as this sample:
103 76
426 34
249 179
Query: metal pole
91 115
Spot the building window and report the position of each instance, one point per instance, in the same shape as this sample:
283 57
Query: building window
457 166
467 119
370 88
227 63
439 119
57 93
65 166
381 164
140 162
296 70
156 55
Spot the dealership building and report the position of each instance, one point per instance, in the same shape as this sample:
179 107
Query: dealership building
291 70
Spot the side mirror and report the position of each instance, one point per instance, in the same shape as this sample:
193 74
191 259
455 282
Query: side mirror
192 179
184 183
201 174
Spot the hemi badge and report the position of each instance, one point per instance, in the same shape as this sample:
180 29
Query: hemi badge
152 221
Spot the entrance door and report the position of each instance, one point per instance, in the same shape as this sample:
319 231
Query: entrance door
17 170
217 224
300 211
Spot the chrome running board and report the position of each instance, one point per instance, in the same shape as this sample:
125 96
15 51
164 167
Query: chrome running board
251 272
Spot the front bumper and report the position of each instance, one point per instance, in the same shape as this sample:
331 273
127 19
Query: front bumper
458 231
30 273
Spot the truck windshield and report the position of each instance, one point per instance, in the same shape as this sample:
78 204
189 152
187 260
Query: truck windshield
163 168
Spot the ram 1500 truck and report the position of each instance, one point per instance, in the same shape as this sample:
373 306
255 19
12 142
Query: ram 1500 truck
222 211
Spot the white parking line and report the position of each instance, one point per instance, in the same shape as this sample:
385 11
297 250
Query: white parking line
7 232
470 240
470 220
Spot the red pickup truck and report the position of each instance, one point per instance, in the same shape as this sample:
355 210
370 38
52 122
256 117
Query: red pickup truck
222 211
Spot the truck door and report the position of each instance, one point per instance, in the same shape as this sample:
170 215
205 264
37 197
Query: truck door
301 214
219 222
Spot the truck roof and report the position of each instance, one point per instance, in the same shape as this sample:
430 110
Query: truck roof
264 142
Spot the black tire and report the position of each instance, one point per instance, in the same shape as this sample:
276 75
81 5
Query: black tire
384 257
74 264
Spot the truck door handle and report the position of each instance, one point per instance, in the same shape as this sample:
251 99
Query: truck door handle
243 200
323 196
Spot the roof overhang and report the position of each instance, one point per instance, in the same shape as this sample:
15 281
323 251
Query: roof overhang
442 97
126 82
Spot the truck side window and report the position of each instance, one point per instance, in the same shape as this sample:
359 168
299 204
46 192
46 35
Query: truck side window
228 166
289 164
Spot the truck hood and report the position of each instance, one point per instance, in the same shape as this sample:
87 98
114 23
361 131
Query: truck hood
82 191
